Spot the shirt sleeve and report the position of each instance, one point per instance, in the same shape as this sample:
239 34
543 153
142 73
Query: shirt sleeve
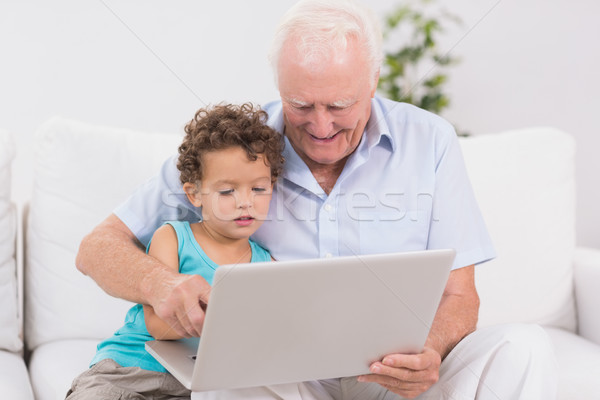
456 220
158 200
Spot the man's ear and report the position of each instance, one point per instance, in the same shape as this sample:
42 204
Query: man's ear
192 191
376 82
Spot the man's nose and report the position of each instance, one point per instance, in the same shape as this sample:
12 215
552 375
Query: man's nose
322 123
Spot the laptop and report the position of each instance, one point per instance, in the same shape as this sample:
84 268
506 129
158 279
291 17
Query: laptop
293 321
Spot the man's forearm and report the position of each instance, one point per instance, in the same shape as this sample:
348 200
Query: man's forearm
456 316
113 258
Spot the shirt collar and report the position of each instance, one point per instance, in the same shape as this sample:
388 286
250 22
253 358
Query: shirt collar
377 127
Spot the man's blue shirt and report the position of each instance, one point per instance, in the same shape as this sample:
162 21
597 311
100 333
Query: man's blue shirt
405 188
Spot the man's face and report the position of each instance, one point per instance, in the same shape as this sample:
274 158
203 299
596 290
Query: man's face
326 108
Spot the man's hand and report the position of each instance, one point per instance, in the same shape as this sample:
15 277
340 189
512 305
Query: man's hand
407 375
181 303
456 317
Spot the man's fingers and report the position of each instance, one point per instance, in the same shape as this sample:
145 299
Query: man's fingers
400 374
183 308
406 375
178 327
194 318
402 388
204 295
413 362
187 322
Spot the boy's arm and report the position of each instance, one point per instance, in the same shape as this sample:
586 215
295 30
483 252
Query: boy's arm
163 248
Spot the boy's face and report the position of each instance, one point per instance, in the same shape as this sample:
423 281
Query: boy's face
234 193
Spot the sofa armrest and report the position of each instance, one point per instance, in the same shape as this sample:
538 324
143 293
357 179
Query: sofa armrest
22 210
587 293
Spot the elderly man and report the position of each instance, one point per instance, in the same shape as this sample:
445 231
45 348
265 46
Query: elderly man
363 175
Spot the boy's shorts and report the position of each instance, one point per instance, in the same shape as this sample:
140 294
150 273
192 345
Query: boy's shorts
108 380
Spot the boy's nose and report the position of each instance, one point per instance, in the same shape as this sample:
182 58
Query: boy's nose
245 201
245 205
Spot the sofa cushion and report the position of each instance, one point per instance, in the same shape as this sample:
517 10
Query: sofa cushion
524 183
9 322
53 366
586 271
14 379
82 173
579 367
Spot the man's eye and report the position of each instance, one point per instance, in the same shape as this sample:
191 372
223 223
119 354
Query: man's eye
226 192
338 109
302 108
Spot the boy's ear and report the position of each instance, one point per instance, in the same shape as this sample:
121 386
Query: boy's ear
193 193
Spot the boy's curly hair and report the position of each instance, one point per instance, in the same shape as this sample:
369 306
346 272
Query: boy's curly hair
224 126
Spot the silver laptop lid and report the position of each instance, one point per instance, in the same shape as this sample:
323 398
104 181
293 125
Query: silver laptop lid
292 321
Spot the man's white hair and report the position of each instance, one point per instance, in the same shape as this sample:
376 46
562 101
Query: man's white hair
319 28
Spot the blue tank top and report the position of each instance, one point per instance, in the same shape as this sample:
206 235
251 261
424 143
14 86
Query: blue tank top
126 346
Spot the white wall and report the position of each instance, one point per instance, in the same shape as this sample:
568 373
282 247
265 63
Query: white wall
150 64
530 63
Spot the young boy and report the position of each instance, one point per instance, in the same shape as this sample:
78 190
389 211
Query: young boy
228 161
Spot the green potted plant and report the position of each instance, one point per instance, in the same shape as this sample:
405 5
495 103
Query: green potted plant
414 68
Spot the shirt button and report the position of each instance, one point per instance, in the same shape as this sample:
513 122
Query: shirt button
328 207
328 255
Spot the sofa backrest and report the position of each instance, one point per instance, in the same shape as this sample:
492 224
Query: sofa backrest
10 328
524 181
82 173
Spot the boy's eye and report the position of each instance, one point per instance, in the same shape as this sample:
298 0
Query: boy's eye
258 189
226 192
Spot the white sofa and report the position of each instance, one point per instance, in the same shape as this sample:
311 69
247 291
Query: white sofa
524 181
14 380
